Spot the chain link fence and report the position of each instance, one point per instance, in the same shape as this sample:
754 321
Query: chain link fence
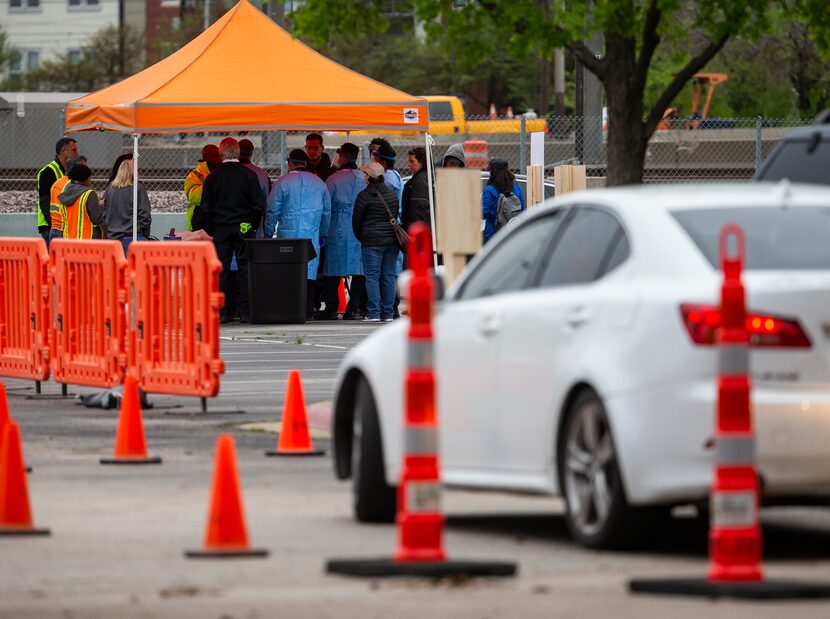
681 150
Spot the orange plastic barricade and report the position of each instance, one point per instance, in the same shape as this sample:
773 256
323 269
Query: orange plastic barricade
174 322
88 344
24 309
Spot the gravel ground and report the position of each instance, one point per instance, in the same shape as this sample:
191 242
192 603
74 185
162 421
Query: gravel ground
160 201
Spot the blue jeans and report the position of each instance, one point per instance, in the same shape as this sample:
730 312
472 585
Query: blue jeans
379 266
126 240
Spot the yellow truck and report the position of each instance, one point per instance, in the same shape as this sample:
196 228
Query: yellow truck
446 116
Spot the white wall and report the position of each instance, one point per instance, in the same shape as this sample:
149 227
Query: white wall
54 27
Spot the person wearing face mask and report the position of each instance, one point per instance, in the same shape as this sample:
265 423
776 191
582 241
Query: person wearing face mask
415 203
195 180
343 250
319 162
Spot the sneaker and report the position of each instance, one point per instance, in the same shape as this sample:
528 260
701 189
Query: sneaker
388 319
367 319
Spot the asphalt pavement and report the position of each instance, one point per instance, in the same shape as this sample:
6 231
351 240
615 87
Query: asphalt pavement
119 533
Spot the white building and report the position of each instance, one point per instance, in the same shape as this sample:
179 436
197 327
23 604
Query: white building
41 29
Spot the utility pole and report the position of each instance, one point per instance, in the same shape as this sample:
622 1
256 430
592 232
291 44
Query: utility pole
559 81
275 9
206 22
121 68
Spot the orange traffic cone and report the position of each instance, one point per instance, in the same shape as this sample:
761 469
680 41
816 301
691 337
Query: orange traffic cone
342 302
226 534
4 409
15 513
294 437
5 416
130 447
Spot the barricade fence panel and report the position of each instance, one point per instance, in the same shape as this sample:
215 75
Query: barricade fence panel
174 318
88 343
24 309
714 149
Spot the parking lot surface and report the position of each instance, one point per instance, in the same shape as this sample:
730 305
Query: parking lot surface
119 533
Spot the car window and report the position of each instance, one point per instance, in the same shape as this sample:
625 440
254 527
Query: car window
805 160
440 110
510 265
617 253
585 249
781 238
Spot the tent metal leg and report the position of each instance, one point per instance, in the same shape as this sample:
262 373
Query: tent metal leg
428 142
135 187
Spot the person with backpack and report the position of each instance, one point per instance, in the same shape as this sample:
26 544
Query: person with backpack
502 200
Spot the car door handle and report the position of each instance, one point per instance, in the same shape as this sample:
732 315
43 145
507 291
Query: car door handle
578 316
489 326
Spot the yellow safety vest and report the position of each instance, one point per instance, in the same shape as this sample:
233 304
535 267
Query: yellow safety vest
56 168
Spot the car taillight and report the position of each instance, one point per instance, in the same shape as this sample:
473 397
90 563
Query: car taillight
765 330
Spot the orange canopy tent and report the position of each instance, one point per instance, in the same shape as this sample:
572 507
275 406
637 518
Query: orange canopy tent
246 73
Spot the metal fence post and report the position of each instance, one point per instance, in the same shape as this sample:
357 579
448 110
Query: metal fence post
283 154
523 146
758 149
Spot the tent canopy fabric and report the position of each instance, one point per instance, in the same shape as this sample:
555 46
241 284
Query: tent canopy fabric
247 73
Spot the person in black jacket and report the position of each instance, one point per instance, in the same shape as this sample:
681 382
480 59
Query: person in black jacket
46 177
415 201
374 207
232 206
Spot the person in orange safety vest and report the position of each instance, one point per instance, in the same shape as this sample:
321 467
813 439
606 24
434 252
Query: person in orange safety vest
57 210
83 213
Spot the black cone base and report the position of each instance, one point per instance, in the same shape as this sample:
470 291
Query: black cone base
154 460
226 554
296 454
761 590
9 532
426 569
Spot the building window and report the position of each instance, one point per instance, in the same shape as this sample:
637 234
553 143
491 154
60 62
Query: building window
74 56
83 4
32 59
24 5
23 60
15 64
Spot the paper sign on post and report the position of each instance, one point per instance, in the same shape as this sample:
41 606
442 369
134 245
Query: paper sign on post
537 149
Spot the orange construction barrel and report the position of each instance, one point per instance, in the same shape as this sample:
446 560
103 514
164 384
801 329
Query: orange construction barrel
475 154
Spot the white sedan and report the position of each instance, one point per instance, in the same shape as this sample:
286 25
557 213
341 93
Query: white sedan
575 356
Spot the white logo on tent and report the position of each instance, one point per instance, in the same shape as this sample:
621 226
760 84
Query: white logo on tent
410 116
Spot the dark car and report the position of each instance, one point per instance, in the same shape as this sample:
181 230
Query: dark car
803 156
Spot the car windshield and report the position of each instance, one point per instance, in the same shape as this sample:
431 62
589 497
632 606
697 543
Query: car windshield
776 238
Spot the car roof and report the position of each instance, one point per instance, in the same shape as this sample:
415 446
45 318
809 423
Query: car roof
633 200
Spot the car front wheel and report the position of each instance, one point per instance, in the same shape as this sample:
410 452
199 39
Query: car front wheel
374 500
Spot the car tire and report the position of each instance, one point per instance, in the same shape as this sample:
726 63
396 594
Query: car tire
374 500
597 512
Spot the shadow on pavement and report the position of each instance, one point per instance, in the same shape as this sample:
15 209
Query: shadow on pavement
788 538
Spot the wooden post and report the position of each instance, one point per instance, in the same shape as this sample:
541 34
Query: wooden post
568 178
535 186
458 210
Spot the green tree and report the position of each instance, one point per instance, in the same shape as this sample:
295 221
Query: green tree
101 63
6 56
637 33
380 39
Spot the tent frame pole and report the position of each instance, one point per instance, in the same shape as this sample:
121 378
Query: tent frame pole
135 187
428 142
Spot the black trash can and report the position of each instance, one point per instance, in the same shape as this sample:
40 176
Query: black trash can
278 279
